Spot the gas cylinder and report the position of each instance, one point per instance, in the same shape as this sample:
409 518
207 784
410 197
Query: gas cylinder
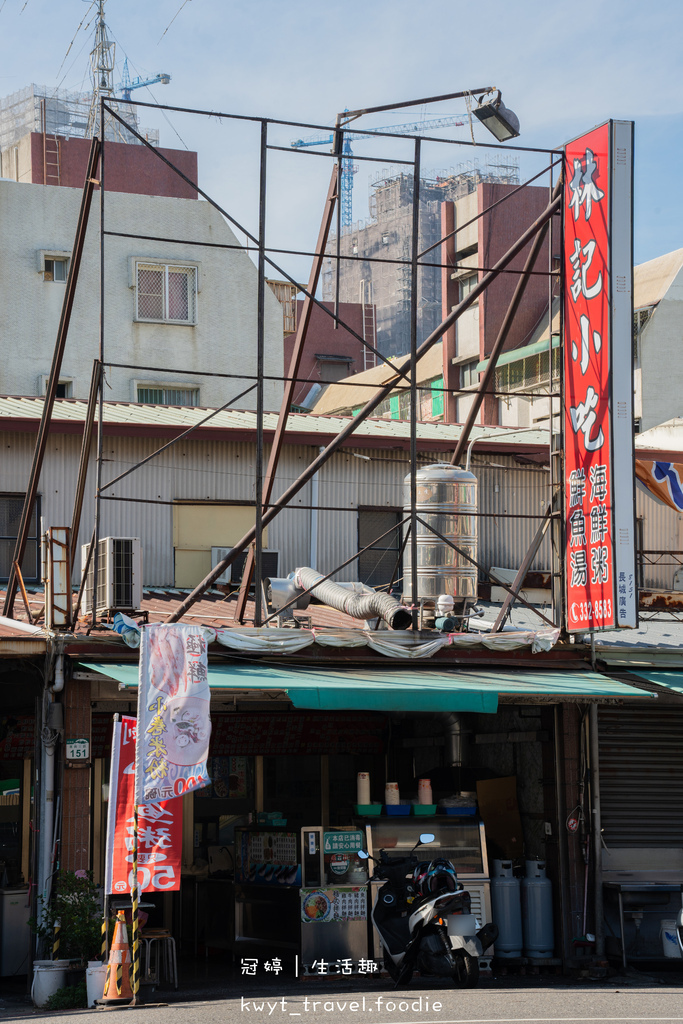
537 911
506 906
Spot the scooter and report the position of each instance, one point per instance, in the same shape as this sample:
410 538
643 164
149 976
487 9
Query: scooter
425 921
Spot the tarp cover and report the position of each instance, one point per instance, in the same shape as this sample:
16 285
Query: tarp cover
397 690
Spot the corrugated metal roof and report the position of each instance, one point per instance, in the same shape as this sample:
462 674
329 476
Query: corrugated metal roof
343 395
182 417
652 280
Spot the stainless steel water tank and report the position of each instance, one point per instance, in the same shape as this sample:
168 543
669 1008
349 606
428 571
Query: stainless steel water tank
446 499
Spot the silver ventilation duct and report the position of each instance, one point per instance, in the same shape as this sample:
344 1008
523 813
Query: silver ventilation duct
369 604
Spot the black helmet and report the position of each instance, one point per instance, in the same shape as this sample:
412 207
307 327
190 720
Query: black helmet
441 877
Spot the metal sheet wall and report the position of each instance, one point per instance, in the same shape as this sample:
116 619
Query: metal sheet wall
641 775
223 470
662 531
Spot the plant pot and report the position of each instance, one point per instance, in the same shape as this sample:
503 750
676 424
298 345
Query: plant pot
48 977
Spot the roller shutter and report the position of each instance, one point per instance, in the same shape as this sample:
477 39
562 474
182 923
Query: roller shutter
641 776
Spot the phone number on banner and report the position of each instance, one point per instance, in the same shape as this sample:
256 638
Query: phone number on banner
588 611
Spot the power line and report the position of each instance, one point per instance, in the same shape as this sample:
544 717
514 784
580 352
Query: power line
171 21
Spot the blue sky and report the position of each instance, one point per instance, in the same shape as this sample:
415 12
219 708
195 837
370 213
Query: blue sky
562 68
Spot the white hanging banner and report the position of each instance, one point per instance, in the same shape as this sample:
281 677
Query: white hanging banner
173 713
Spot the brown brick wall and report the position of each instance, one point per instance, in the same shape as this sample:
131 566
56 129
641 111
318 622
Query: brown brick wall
75 848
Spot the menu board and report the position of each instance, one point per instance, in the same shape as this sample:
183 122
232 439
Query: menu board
268 858
229 779
321 906
304 733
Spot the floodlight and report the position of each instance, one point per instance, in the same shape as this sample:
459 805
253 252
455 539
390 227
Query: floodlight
500 121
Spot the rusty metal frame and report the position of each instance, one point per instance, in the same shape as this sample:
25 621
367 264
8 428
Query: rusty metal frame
508 319
84 461
364 413
405 371
293 371
53 380
482 568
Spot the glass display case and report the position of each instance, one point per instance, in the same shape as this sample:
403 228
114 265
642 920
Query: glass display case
459 839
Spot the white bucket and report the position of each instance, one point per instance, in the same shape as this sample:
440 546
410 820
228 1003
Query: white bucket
48 977
95 977
667 933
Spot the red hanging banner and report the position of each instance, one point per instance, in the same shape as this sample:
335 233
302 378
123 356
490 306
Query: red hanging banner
598 419
160 826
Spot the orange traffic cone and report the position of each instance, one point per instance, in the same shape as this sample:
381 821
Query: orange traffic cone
117 987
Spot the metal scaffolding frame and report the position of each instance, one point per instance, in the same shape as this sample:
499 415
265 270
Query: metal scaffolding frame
402 376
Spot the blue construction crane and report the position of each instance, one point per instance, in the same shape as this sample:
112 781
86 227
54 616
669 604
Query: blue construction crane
126 86
348 168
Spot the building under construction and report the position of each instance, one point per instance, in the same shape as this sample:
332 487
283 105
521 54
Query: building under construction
386 236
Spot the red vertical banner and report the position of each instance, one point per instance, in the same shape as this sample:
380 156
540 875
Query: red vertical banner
587 419
160 826
598 417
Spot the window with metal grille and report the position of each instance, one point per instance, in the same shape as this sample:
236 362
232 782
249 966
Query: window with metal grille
11 506
467 285
527 373
468 374
168 396
166 293
375 567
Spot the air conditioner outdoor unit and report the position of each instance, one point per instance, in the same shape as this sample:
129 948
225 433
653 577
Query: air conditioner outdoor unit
233 574
119 575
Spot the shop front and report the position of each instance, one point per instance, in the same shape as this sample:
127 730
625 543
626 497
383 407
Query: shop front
300 761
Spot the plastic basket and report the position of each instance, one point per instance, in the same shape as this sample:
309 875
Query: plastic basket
424 808
397 809
368 810
460 811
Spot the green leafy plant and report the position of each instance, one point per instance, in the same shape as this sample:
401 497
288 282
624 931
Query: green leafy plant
75 905
71 997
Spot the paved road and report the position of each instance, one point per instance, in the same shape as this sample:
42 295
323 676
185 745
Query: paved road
541 1002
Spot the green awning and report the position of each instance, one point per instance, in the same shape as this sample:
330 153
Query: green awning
520 353
396 689
671 680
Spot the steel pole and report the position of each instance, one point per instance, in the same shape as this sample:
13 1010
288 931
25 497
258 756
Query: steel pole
365 412
51 393
415 249
260 341
505 328
293 372
88 428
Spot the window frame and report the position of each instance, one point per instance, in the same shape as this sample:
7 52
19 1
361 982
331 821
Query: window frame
66 382
166 264
163 385
32 537
383 547
54 256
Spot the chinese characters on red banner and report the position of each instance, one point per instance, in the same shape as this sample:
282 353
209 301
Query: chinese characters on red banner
590 568
597 339
159 826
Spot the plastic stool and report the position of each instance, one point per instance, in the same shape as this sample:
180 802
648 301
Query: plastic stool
153 953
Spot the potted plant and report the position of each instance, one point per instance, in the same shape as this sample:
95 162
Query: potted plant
75 905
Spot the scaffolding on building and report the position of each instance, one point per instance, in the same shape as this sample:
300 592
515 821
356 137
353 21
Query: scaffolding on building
62 113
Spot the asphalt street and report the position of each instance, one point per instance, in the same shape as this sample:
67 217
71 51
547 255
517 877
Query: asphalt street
501 1001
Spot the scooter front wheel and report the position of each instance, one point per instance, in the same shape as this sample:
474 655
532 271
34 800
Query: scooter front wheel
466 973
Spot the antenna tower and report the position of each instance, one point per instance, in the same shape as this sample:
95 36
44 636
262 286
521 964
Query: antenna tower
102 61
